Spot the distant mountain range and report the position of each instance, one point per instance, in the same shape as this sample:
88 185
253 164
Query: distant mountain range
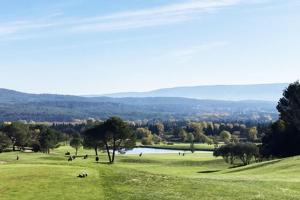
264 92
50 107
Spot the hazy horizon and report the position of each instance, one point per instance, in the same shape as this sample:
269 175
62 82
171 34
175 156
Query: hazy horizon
145 91
103 47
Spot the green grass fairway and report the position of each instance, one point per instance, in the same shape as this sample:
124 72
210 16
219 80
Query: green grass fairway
156 176
183 146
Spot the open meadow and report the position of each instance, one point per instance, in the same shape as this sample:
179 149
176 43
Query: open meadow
153 176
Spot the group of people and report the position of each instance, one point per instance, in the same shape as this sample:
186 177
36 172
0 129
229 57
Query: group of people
83 174
71 158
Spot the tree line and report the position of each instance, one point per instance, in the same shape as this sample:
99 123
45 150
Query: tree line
20 136
279 139
282 138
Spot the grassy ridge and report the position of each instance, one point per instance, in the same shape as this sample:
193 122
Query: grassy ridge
152 176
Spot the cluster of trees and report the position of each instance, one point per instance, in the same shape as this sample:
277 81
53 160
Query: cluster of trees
37 137
147 137
155 131
112 135
283 137
198 132
244 152
208 132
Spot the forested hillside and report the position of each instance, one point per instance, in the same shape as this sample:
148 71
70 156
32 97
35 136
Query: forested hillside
48 107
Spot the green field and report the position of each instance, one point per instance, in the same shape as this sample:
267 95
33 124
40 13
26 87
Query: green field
184 146
160 176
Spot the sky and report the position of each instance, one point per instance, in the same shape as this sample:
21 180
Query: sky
88 47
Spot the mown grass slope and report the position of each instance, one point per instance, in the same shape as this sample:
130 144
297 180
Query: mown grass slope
160 176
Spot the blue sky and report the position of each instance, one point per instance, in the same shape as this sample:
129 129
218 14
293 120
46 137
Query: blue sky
101 46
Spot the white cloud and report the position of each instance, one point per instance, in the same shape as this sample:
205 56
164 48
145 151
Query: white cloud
197 48
163 15
169 14
185 54
22 26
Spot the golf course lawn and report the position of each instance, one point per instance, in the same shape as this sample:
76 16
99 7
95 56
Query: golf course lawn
153 176
183 146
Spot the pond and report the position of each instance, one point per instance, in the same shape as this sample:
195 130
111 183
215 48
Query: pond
139 150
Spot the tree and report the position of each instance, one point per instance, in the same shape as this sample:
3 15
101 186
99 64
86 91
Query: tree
225 151
142 133
225 136
234 139
210 129
180 133
245 152
159 129
92 138
281 140
197 130
156 139
252 134
289 105
216 128
119 135
243 129
147 139
114 134
76 143
48 139
283 137
190 137
18 134
5 142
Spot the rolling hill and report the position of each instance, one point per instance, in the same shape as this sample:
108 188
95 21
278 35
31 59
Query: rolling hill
263 92
50 107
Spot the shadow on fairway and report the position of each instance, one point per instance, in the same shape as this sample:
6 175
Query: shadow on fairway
208 171
253 166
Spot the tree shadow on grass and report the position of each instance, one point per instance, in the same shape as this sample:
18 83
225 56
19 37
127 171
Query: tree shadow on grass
254 166
208 171
197 163
236 166
53 158
103 163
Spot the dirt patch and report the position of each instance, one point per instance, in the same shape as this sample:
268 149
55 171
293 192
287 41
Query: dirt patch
2 162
